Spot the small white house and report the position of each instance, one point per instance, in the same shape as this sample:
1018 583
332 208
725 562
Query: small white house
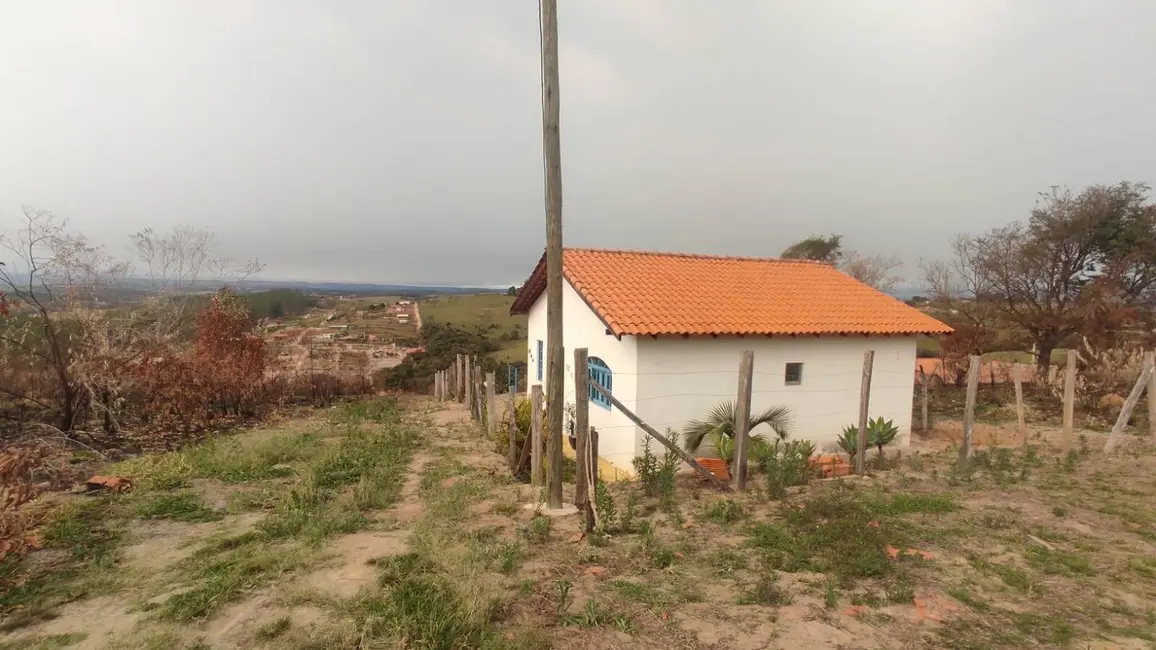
665 333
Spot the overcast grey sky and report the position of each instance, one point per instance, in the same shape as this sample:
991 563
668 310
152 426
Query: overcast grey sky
391 140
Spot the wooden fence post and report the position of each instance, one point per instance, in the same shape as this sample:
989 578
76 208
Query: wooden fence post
581 425
513 430
536 451
459 379
1018 377
1150 361
468 383
923 400
479 400
969 407
743 418
663 440
1070 395
437 381
492 407
1126 411
592 479
864 412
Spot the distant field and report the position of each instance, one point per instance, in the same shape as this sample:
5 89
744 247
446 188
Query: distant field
928 344
489 310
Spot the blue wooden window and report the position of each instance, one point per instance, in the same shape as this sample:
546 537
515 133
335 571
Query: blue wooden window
600 374
539 360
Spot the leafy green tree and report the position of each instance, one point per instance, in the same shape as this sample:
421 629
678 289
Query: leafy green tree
817 248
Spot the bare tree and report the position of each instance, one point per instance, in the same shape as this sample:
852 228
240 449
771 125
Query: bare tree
54 276
875 270
184 260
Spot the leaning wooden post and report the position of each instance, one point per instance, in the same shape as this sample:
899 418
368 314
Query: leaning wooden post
535 441
581 425
864 413
969 407
492 406
1150 362
1070 395
1018 377
743 418
923 399
663 440
1126 411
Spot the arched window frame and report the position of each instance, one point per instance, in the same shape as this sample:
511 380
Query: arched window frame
599 372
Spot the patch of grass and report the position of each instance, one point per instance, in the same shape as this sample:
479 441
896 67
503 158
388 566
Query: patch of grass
260 455
220 578
184 505
421 607
364 471
767 591
662 558
1059 562
1010 576
723 512
274 629
639 592
727 562
905 503
91 532
52 642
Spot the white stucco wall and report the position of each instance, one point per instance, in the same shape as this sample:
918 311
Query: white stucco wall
617 435
681 379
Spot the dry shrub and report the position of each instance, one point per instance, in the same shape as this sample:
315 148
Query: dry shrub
17 489
1104 374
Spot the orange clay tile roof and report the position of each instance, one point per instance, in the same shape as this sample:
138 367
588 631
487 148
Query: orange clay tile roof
646 293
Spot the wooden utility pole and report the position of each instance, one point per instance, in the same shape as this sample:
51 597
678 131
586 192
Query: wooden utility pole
552 146
969 407
581 425
743 418
535 441
864 413
1070 395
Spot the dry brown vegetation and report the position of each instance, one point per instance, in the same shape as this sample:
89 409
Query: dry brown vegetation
384 526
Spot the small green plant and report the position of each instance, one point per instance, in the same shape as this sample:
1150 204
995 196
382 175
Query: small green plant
538 530
562 588
662 558
721 420
849 440
723 512
607 511
831 595
274 628
767 591
881 433
1060 511
785 464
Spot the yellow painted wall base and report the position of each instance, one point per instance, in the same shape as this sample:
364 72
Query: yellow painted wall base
609 472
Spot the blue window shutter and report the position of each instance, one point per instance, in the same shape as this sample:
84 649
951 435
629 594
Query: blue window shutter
600 374
539 360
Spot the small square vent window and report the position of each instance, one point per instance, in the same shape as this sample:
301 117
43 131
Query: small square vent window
794 374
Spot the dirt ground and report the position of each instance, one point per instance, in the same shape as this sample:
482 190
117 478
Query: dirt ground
1049 544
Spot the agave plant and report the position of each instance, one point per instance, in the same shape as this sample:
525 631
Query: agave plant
881 432
721 419
849 441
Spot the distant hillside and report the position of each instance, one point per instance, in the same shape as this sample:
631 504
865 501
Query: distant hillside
361 288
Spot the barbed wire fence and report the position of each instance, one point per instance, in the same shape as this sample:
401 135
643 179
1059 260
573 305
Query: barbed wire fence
934 397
